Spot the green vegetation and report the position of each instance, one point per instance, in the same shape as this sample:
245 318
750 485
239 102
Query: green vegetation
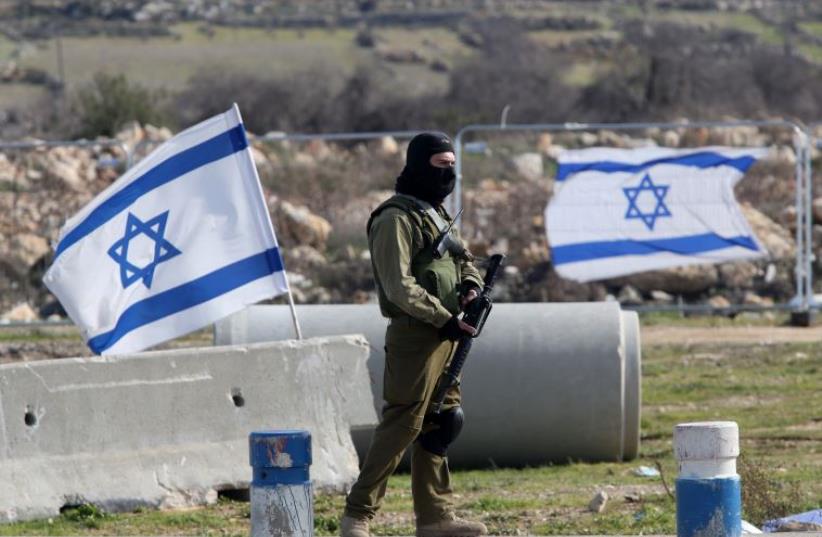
772 391
109 102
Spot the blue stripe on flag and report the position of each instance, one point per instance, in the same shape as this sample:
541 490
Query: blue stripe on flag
190 294
220 146
702 159
689 245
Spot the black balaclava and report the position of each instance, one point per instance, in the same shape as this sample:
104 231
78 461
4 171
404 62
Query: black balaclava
419 178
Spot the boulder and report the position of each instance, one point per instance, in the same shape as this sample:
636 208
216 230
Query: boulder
157 135
351 218
544 143
752 299
22 251
719 302
388 146
131 135
738 275
629 296
671 139
21 313
528 166
612 139
661 297
302 258
776 239
297 225
588 139
690 279
598 502
782 153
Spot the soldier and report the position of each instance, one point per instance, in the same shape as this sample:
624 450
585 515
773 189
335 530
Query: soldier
421 290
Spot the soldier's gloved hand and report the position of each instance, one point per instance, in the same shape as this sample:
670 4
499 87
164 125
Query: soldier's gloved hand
469 292
455 328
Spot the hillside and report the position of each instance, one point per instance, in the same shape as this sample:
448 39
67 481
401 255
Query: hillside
51 48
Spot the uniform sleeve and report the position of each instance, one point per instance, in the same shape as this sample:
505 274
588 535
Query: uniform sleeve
468 271
391 244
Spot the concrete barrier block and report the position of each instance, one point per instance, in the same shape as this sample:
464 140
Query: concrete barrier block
170 428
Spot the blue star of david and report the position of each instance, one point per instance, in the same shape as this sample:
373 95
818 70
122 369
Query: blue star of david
660 210
163 250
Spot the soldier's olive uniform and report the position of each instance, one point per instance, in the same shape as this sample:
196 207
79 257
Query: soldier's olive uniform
419 293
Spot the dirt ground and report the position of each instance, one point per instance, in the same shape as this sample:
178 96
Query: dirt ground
688 335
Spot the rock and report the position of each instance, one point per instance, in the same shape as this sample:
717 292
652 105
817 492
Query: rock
304 160
396 55
545 142
21 313
739 274
752 299
612 139
629 296
776 239
787 217
303 257
299 226
690 279
719 302
528 166
388 146
22 251
131 135
598 502
554 151
157 134
741 136
318 149
350 219
633 497
782 153
588 139
636 143
439 65
661 297
670 139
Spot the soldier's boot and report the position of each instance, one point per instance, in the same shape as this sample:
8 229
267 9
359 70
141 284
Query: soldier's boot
354 527
452 526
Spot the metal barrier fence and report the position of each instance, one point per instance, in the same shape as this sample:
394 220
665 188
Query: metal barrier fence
328 178
802 299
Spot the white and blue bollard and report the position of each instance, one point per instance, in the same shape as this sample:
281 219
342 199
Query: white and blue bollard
281 499
708 494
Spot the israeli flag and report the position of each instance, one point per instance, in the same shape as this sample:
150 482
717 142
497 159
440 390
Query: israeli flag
181 240
621 211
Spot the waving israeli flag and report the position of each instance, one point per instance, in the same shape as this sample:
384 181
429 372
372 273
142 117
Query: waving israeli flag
180 240
620 211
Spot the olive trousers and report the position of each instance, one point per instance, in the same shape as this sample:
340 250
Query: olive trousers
414 360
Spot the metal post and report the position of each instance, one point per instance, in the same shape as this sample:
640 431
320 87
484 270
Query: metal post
708 492
281 497
809 256
799 269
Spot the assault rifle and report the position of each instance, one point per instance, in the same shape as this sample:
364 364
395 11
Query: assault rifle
476 313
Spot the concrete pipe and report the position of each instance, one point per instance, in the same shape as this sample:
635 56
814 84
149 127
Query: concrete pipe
545 382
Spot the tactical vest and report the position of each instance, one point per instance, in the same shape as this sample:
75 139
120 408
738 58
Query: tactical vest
439 277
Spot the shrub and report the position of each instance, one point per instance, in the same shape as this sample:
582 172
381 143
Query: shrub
107 103
763 497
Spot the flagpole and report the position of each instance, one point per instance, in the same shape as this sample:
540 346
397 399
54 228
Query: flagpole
292 307
297 330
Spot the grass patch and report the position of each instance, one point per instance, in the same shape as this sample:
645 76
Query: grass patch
672 318
773 391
